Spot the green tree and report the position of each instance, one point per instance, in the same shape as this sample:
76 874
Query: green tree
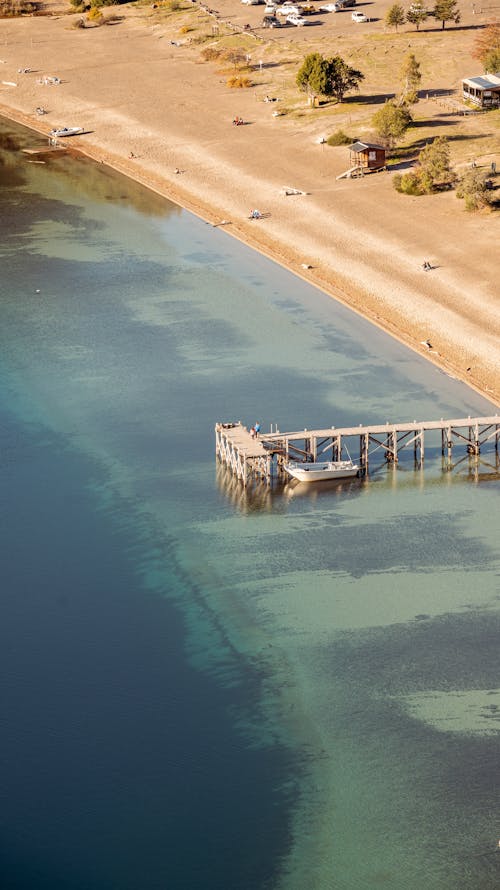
395 16
391 121
417 14
446 11
487 47
312 76
473 188
431 173
329 77
434 168
342 78
410 76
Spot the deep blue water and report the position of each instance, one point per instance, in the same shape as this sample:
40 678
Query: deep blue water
120 763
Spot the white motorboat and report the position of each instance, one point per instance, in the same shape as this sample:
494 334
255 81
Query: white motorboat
66 131
320 472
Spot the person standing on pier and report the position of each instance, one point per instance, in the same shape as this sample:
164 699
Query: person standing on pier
257 429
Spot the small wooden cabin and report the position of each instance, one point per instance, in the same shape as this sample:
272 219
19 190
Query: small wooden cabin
367 155
484 91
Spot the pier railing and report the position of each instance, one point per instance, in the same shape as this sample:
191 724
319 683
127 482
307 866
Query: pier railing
249 456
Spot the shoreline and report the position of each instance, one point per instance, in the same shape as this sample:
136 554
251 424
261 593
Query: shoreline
348 250
208 215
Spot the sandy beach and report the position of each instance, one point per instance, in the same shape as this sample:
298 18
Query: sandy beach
152 109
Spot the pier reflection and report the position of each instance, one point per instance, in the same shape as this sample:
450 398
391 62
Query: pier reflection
317 490
258 496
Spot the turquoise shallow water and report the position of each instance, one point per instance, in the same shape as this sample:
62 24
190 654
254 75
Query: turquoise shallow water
336 650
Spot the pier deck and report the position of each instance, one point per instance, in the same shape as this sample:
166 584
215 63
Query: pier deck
255 457
243 453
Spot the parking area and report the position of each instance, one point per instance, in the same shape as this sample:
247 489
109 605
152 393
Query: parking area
305 22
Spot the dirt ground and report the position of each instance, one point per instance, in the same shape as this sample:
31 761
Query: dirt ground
140 88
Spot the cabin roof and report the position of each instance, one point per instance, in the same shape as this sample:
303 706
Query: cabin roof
484 82
363 146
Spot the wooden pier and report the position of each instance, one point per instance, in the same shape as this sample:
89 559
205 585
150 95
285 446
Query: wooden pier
263 457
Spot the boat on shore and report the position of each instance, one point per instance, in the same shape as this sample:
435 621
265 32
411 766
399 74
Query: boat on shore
66 131
322 471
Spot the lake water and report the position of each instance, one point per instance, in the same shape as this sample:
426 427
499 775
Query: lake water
204 687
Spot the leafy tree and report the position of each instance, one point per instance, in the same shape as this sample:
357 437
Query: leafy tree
434 165
487 47
342 77
411 77
391 121
395 16
446 11
434 168
417 14
312 76
473 188
329 77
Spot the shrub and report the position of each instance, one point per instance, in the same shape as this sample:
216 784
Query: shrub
339 138
408 183
13 8
238 81
474 189
432 172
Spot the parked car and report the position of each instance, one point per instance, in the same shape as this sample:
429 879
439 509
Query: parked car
308 10
359 17
251 2
271 21
289 9
297 20
271 8
342 4
329 7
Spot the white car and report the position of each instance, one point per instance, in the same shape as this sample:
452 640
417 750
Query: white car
270 8
359 17
289 9
297 20
330 7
